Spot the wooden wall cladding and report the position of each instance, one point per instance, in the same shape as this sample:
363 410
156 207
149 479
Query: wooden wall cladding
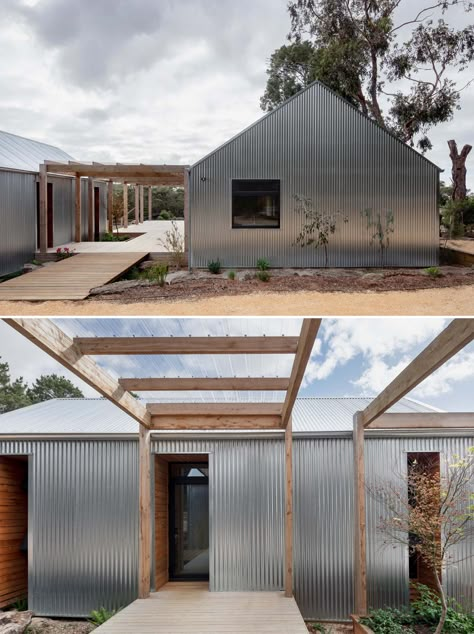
13 530
161 522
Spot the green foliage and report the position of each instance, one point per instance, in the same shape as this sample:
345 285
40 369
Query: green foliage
64 253
101 615
49 386
381 223
173 242
231 275
317 225
214 266
433 271
169 200
157 273
20 605
406 79
17 393
263 276
319 627
427 610
386 621
114 237
164 215
457 214
263 264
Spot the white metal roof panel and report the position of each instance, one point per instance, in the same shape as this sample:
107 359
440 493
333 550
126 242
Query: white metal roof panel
20 153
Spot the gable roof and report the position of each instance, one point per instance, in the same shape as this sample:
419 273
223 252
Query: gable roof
94 416
285 103
20 153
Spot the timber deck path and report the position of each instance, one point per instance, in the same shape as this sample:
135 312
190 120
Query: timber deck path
189 608
72 278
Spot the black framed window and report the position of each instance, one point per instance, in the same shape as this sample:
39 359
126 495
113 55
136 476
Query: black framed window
255 204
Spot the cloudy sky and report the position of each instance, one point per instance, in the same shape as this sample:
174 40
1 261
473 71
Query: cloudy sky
153 80
351 357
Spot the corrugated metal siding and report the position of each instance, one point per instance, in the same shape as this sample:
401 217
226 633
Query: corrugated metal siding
387 569
18 214
322 148
63 209
83 521
83 524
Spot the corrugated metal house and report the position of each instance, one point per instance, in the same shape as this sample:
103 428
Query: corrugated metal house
318 147
19 168
80 460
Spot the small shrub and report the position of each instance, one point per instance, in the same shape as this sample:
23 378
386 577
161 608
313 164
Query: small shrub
385 621
174 243
21 605
427 611
164 215
263 276
231 275
319 627
100 616
433 271
63 254
157 273
263 264
114 237
37 262
214 266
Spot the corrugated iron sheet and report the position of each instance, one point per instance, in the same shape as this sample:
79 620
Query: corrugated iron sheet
321 148
18 214
20 153
100 416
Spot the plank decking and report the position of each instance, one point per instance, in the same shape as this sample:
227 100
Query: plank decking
72 278
190 608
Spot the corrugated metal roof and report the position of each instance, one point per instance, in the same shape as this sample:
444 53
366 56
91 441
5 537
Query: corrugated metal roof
100 416
17 152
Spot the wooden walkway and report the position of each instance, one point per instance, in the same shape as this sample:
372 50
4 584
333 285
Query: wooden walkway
72 278
189 608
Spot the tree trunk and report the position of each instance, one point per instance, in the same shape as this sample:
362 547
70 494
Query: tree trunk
444 605
458 170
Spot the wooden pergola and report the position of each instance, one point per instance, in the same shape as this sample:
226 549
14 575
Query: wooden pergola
75 355
458 334
138 175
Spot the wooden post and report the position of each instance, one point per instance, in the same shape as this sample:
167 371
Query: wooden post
289 509
110 206
144 551
43 209
90 209
125 205
137 204
186 209
360 554
142 203
77 230
149 203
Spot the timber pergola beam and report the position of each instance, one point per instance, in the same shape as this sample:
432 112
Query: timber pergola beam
186 345
451 340
52 340
458 334
128 171
205 384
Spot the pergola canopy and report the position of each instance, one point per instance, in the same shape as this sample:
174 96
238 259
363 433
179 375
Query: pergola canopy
122 172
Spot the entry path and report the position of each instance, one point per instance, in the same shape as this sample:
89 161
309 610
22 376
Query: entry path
189 608
72 278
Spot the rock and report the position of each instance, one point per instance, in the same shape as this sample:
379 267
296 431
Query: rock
27 268
14 622
118 287
176 276
39 624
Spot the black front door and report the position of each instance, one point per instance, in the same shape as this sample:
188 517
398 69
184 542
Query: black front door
189 521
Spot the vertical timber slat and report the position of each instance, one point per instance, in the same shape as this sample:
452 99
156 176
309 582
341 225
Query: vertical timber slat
360 547
144 551
137 204
43 208
90 209
289 509
110 206
77 223
149 203
125 205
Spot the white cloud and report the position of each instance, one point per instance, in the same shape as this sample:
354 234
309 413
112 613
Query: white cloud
459 369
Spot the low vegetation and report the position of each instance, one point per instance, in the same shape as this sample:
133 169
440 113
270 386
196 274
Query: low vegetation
101 615
114 237
173 242
433 271
214 266
262 270
64 253
231 275
423 617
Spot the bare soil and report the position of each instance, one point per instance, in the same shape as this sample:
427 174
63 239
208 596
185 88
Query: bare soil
41 625
200 286
331 628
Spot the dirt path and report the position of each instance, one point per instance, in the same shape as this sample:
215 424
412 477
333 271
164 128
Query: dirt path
443 301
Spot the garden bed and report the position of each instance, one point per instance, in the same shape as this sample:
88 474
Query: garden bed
202 284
